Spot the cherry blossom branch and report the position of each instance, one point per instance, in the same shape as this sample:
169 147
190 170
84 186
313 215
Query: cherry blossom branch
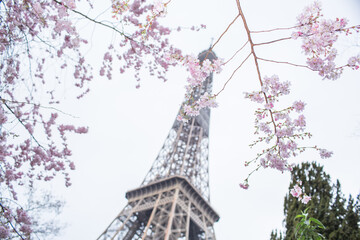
250 40
255 59
12 226
22 123
95 21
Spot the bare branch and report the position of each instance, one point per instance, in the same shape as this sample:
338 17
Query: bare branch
233 75
236 53
221 36
275 29
292 64
274 41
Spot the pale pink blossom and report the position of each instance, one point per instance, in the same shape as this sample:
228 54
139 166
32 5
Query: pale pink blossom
325 153
305 199
4 232
296 191
299 106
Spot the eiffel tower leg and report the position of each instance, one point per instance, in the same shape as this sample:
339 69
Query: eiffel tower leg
151 218
171 216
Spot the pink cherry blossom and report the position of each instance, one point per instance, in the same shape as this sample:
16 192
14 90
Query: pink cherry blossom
244 185
298 193
325 153
305 199
299 106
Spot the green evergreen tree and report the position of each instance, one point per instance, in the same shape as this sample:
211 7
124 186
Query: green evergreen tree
274 235
341 218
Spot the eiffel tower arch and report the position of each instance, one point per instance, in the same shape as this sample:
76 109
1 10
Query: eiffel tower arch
173 201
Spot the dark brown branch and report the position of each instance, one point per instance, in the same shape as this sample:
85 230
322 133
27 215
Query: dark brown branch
12 226
95 21
22 123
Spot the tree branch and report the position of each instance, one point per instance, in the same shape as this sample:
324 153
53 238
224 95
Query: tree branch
292 64
233 74
236 53
274 41
22 123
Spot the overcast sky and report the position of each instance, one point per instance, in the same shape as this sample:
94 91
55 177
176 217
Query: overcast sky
128 126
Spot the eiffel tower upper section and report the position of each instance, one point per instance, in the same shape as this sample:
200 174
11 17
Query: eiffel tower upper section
185 150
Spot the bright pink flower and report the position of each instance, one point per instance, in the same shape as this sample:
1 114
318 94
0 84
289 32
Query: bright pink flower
244 185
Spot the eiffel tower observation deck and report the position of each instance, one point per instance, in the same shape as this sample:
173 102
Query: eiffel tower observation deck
173 201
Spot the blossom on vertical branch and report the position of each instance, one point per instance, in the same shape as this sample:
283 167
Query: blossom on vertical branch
35 36
280 129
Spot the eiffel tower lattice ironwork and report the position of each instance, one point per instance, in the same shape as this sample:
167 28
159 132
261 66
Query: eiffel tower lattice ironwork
173 201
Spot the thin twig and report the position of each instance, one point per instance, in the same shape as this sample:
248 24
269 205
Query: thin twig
236 53
275 29
221 36
37 105
274 41
233 74
292 64
225 31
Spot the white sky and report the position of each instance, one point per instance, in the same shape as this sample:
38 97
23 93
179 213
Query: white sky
128 126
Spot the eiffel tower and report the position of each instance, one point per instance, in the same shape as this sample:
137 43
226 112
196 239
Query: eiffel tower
173 201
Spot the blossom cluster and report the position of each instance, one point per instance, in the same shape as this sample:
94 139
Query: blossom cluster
354 62
35 36
144 41
278 128
318 38
197 98
119 6
298 193
19 218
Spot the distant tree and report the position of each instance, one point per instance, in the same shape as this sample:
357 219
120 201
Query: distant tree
341 218
39 213
44 209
